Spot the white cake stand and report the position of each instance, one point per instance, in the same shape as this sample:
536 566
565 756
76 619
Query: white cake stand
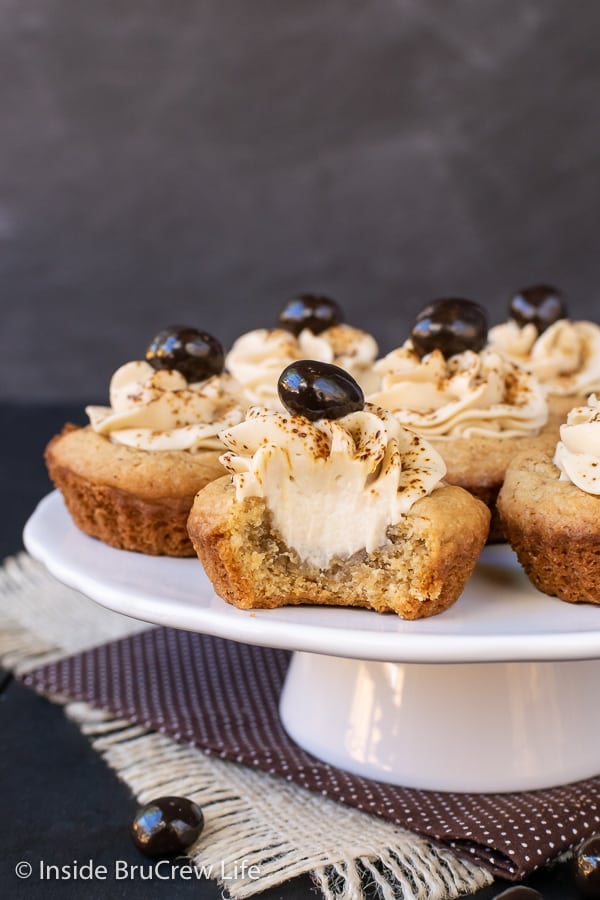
498 693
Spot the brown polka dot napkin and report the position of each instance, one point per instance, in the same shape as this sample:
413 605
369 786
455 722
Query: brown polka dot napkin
223 697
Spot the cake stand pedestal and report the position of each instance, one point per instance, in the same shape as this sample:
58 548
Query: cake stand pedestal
507 726
495 694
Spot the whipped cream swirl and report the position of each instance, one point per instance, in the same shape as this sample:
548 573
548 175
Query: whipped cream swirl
160 410
469 394
257 358
565 357
333 486
577 453
256 361
350 348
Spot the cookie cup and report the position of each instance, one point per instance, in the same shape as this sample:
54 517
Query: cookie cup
554 528
420 571
129 498
478 464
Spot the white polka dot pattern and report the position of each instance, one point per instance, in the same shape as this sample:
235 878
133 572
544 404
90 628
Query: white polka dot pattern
222 697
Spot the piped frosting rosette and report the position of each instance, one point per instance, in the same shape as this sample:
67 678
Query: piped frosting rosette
577 454
257 358
565 357
466 395
160 410
332 487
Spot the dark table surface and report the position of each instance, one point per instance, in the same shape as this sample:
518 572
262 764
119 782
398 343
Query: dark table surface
60 802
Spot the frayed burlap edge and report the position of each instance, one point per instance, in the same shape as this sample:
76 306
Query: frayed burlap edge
260 831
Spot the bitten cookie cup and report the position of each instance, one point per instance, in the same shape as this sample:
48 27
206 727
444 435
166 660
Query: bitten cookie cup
128 498
421 570
554 528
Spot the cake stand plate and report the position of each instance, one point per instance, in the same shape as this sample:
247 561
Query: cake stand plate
495 694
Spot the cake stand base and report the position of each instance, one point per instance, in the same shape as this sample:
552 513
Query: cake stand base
458 708
477 727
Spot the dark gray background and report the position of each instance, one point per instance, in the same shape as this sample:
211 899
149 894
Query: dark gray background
198 162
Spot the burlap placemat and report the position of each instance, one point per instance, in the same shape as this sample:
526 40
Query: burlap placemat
183 693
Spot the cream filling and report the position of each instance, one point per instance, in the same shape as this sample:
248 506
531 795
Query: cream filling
470 394
565 357
577 454
333 487
159 410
